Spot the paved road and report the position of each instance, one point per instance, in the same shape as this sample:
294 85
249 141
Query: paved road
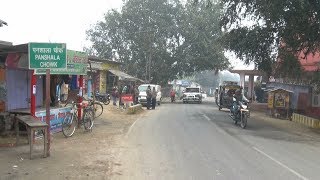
196 141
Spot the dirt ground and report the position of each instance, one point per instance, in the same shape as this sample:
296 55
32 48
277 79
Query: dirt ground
85 155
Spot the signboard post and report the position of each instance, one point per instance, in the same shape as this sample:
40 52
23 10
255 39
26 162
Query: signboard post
47 56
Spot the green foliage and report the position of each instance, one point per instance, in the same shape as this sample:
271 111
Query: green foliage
288 66
207 79
159 40
295 23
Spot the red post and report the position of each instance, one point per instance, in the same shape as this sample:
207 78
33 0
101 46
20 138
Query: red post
33 94
48 109
81 94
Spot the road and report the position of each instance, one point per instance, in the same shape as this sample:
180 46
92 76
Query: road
196 141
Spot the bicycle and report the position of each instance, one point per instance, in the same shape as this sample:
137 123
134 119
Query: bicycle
97 106
71 120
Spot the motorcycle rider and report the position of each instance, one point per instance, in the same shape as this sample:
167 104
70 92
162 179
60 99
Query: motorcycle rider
239 96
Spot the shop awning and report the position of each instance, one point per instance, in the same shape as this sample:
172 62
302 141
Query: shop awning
124 76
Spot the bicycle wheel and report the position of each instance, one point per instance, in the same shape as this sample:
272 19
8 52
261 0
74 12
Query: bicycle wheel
98 109
88 118
69 124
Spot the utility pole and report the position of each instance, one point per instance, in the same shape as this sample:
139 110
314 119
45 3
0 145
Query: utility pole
150 59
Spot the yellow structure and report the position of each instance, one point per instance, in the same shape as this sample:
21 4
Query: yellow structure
279 102
101 75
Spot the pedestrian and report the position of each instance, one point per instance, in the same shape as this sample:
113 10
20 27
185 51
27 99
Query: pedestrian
136 94
172 95
149 97
154 97
114 95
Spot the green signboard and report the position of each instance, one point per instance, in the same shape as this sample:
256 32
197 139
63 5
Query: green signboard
77 63
47 55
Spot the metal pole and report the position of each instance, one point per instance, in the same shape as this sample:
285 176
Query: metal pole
93 82
33 94
48 109
93 89
80 97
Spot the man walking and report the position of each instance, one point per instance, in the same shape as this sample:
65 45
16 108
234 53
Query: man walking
154 97
149 96
136 94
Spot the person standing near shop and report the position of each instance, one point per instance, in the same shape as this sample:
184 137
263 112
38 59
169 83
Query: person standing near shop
136 94
149 97
114 95
154 97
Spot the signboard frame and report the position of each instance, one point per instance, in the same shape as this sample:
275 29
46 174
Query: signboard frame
49 53
77 64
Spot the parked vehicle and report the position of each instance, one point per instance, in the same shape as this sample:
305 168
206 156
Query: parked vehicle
241 114
104 98
192 94
143 94
70 122
97 106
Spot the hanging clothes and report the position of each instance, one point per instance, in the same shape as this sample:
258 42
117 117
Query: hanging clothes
74 82
58 91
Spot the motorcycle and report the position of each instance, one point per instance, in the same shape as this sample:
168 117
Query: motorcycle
241 114
104 98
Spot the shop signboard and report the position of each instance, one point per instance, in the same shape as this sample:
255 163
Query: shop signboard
47 55
77 63
127 98
270 100
279 99
107 66
56 117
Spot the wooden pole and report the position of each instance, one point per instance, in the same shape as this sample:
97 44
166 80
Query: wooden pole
48 109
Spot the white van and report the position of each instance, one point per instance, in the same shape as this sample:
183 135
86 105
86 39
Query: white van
143 94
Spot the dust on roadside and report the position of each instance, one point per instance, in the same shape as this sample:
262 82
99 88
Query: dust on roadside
83 156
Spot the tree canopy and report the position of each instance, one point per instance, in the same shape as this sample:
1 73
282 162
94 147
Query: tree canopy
290 26
159 40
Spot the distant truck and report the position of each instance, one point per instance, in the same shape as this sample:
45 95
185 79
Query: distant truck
192 94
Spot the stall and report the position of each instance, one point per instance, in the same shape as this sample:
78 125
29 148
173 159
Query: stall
279 103
26 80
102 79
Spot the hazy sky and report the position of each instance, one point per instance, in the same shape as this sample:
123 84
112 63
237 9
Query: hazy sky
62 21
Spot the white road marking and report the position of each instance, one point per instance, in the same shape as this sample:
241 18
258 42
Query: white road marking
206 117
268 156
281 164
131 127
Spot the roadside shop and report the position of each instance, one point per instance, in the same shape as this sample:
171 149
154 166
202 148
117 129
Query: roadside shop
25 79
106 75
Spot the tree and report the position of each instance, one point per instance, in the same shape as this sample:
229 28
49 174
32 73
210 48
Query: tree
159 40
294 24
200 30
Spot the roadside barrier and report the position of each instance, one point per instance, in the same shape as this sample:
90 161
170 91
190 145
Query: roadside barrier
134 109
305 120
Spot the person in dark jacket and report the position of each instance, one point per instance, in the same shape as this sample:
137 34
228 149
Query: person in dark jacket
154 97
149 97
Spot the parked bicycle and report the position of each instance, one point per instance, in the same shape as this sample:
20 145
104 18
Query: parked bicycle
97 106
70 122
